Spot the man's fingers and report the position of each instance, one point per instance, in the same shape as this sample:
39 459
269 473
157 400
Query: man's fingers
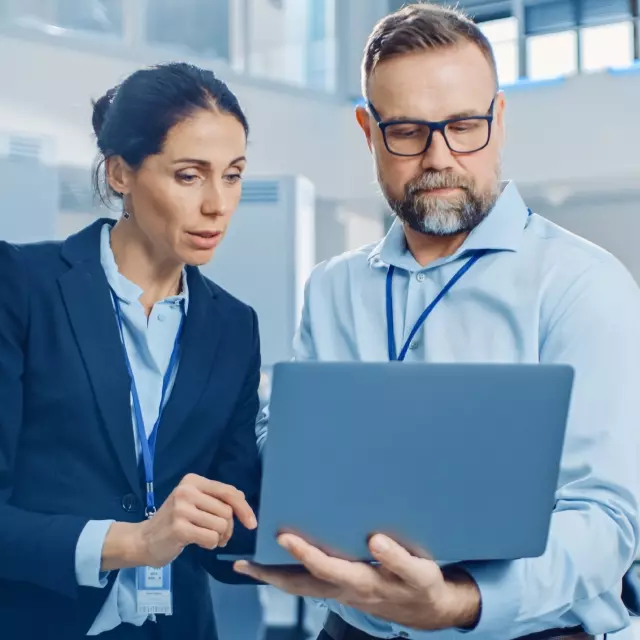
318 563
353 576
415 572
294 582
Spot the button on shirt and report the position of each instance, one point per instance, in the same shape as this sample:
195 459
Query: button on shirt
149 343
541 294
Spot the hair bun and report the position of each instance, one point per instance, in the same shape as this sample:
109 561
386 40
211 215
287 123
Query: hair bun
100 110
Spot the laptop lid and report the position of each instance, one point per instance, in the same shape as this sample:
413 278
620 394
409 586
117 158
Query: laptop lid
457 460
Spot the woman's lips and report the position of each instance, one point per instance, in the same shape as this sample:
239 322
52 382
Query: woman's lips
204 240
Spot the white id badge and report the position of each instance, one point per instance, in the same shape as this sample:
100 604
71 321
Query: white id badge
153 590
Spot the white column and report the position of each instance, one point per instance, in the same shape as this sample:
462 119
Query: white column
518 12
134 18
296 34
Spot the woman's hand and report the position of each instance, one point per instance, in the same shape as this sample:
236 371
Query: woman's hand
199 511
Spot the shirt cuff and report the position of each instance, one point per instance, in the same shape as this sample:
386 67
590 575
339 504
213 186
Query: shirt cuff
500 596
89 554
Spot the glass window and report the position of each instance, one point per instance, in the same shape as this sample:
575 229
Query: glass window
504 30
609 45
552 55
101 16
270 52
321 62
238 35
90 15
291 42
503 36
198 26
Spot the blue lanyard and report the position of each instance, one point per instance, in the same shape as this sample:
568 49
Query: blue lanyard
426 313
391 341
148 446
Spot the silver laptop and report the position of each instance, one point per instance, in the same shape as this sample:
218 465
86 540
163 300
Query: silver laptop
459 461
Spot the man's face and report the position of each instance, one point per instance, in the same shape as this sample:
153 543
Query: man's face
440 192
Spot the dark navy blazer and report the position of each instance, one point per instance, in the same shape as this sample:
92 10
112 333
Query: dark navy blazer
67 452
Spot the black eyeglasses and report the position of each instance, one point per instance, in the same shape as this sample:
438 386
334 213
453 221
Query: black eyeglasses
413 137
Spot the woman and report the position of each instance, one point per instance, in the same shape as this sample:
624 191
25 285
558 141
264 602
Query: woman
129 383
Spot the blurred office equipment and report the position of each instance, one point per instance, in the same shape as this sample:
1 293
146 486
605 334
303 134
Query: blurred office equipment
267 256
27 214
265 260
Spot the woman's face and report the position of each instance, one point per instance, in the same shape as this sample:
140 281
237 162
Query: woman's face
182 199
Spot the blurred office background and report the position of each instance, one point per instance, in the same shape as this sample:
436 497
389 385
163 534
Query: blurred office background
569 68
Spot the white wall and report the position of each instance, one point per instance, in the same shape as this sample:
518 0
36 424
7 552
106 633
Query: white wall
584 130
610 220
579 138
47 88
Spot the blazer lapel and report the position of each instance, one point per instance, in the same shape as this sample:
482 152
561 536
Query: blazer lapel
202 331
86 294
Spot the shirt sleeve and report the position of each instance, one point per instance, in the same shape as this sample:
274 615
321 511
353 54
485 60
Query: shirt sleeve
594 530
89 554
262 428
303 345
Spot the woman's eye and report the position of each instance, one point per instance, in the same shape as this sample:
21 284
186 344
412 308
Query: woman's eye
187 178
233 178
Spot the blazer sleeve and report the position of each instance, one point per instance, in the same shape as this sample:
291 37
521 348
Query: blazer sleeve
34 547
238 463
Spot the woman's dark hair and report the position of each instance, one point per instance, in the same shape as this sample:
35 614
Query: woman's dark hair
132 120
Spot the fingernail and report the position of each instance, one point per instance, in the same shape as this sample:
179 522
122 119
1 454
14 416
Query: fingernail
241 566
379 544
285 542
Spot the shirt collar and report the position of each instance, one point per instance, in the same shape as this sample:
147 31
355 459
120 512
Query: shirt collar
501 230
127 291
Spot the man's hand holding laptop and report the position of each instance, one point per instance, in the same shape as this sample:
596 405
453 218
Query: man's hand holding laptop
402 588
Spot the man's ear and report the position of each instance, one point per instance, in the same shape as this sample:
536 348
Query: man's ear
499 114
364 120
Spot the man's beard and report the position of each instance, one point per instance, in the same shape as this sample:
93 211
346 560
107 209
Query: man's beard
438 216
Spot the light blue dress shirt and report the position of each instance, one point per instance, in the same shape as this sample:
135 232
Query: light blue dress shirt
149 344
541 295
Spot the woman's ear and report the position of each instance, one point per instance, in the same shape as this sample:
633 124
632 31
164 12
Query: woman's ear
118 175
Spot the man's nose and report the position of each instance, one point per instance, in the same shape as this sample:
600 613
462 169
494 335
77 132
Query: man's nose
438 156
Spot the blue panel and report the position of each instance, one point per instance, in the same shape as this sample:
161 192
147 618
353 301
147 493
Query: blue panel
260 192
479 10
485 10
624 71
599 11
524 83
544 16
548 16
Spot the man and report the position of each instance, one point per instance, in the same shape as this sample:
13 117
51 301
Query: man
531 292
